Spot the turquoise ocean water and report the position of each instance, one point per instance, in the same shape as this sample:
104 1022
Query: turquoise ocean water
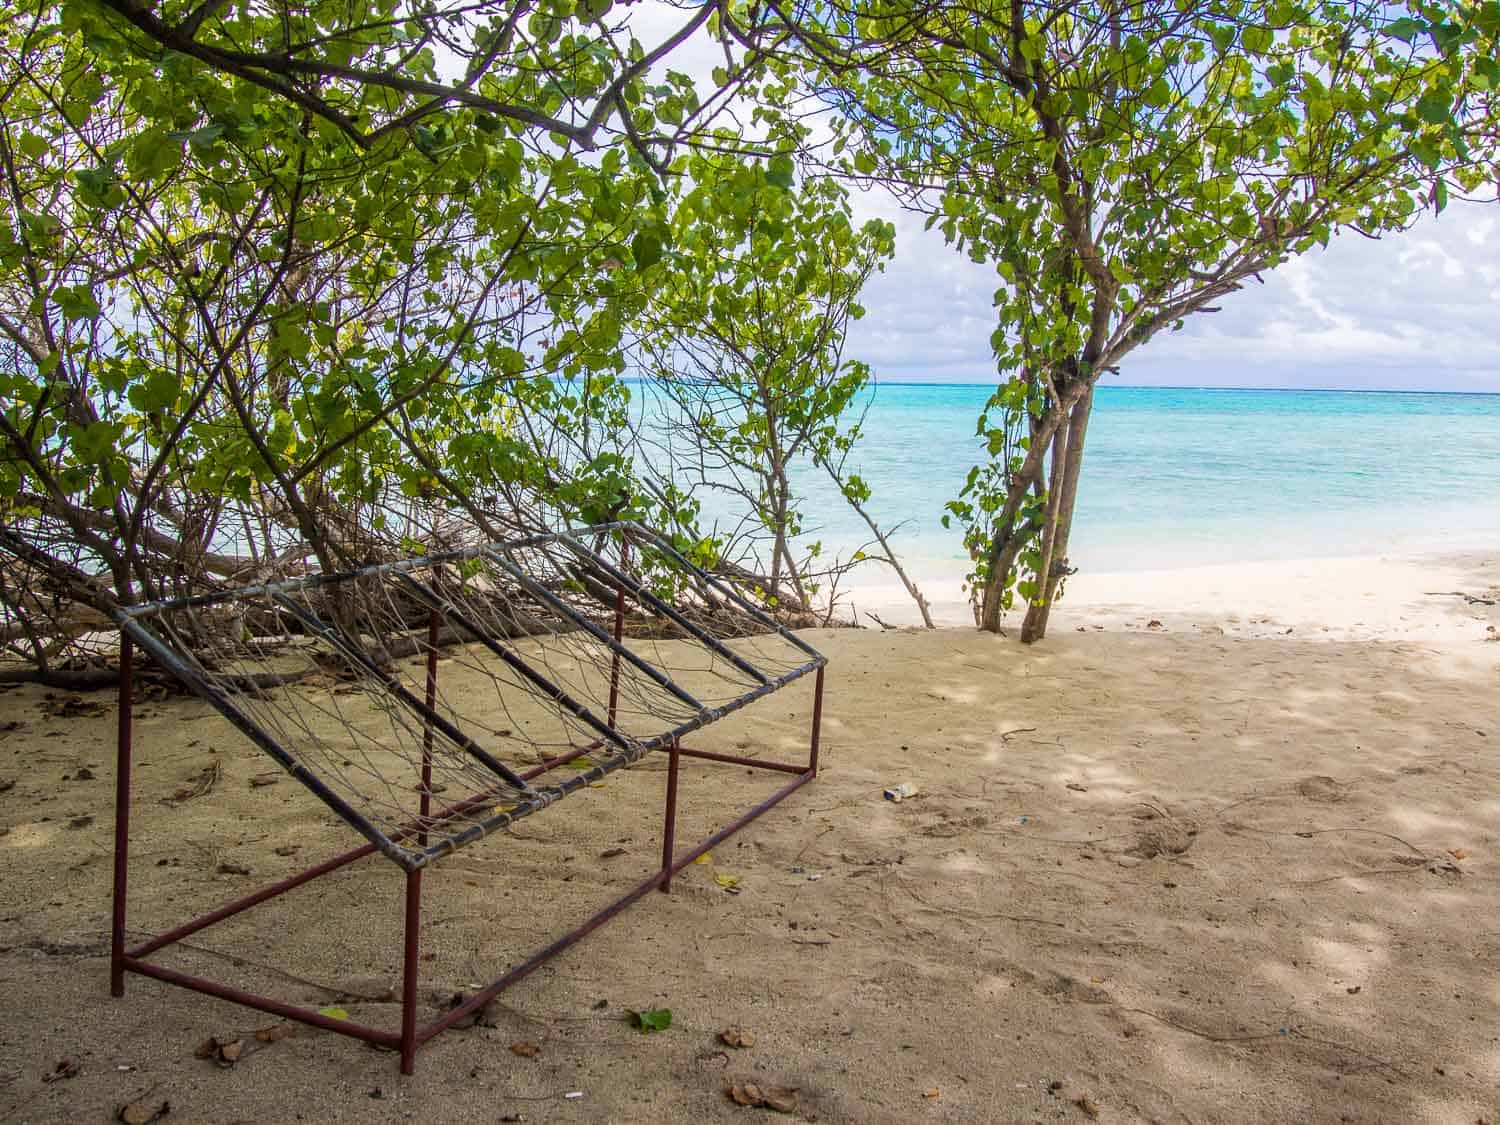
1189 477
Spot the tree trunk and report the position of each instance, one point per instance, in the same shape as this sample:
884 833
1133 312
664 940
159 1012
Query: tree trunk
1056 485
1068 452
1008 538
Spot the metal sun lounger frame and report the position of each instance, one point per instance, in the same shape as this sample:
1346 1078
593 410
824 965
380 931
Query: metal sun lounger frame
135 633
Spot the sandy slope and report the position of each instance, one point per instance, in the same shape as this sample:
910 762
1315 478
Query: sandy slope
1153 875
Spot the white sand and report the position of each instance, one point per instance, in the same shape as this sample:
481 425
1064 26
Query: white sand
1389 597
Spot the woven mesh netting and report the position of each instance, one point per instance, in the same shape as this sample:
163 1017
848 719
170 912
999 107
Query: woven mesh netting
331 675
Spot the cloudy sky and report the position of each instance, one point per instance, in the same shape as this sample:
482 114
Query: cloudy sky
1418 311
1414 311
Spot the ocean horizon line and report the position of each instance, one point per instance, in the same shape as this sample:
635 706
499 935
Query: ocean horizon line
878 383
1236 390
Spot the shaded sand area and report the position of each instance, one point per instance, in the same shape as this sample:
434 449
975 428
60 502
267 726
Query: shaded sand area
1152 875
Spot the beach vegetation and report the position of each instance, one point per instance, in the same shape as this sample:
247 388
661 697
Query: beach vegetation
743 341
314 284
285 285
1127 166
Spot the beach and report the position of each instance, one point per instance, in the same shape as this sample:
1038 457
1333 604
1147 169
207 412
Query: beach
1222 848
1390 597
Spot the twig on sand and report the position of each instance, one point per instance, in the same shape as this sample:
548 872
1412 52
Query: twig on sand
1471 599
1354 875
875 617
1407 844
975 915
1246 801
1287 1033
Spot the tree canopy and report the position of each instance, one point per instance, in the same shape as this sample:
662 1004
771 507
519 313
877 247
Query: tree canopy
1127 165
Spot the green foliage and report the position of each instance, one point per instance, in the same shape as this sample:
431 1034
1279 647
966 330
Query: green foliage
651 1020
333 306
744 340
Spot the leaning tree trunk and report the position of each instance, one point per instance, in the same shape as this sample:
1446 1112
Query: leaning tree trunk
1011 534
1067 462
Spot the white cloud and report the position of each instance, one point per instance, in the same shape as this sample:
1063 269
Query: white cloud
1419 310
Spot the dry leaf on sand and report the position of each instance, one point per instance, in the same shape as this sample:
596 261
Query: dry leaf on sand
143 1112
782 1099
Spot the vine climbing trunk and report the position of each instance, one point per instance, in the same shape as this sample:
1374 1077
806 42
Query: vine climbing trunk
1011 532
1067 464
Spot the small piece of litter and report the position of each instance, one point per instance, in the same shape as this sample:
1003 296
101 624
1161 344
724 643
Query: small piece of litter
899 793
932 1093
573 1095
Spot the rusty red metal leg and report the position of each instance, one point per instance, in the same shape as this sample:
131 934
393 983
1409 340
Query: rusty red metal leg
817 721
434 628
741 760
263 1003
619 631
656 879
411 962
122 819
411 1036
409 972
669 821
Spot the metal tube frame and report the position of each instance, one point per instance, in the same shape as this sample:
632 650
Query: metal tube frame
412 1036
